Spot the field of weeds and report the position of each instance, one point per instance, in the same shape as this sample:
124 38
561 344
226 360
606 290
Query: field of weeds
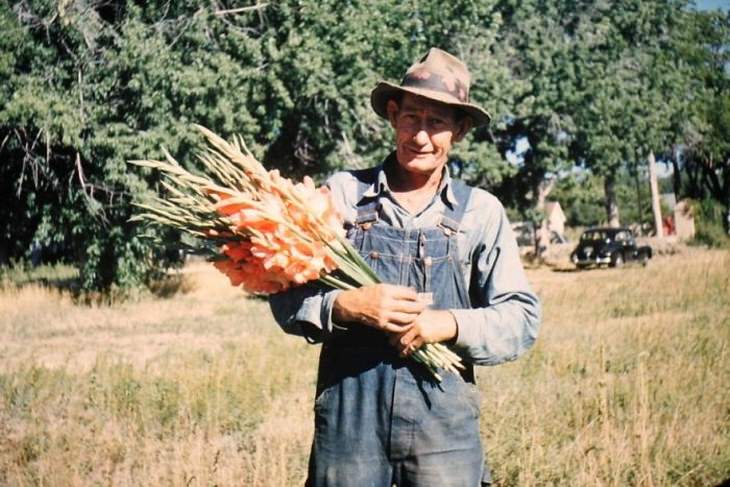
628 385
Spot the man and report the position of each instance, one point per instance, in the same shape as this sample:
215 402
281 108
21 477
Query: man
453 274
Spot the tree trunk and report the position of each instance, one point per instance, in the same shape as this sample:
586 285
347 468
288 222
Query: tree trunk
712 181
692 168
676 174
543 191
726 193
542 234
609 185
655 207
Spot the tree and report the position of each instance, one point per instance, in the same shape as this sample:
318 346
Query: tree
632 88
706 150
539 84
90 85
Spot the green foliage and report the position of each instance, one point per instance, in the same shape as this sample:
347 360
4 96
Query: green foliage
581 198
706 154
537 83
631 86
90 86
708 216
87 86
581 195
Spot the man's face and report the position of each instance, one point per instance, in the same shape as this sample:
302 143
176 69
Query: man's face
425 130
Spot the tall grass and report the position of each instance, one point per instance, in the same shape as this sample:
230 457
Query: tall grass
22 272
626 386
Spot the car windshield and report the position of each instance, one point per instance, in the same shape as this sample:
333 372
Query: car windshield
594 235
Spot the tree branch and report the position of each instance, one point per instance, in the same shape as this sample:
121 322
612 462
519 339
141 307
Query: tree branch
2 146
239 10
89 197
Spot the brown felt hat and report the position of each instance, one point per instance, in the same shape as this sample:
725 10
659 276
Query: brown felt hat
438 76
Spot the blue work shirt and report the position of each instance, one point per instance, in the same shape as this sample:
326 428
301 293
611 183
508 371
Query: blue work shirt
505 315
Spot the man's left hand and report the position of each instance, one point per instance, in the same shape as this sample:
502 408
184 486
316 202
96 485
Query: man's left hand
431 326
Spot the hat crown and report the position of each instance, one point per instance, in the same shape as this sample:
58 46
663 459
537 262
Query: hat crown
438 76
440 71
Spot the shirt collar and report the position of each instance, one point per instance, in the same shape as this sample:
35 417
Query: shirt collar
380 184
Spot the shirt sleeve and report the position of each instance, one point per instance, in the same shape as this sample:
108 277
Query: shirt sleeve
505 316
305 311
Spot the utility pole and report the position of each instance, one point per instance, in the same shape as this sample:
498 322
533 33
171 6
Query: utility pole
655 196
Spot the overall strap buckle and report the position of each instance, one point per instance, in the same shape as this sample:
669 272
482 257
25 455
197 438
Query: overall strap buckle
367 207
367 215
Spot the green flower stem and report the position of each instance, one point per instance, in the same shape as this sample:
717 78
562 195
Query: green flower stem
425 362
356 257
454 358
332 281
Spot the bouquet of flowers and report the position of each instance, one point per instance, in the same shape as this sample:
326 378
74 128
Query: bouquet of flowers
267 233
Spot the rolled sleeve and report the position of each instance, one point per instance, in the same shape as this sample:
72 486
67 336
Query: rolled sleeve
505 316
305 311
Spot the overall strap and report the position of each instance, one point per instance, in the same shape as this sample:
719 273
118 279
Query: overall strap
367 208
453 215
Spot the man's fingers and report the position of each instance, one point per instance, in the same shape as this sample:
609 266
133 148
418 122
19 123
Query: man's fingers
395 328
408 306
399 318
407 343
402 292
408 337
406 350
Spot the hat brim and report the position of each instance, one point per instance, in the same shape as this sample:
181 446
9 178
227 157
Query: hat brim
384 91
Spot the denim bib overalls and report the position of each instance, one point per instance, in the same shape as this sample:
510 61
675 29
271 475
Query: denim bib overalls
380 419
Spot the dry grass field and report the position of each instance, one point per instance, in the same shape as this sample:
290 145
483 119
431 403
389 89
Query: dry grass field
628 385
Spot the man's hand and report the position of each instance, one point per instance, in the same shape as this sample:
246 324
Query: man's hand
383 306
431 326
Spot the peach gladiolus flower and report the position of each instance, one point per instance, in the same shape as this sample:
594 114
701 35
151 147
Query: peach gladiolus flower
276 256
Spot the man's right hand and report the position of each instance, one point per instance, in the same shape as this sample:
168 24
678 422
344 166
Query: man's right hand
383 306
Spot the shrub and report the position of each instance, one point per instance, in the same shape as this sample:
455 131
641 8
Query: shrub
709 226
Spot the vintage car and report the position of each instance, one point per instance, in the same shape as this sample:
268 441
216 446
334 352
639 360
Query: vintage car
610 246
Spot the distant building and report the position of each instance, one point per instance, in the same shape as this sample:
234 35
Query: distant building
684 220
680 221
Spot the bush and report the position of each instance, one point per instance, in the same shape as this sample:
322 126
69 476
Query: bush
86 86
710 230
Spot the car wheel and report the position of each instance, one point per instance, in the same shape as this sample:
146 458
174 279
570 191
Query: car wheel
617 260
